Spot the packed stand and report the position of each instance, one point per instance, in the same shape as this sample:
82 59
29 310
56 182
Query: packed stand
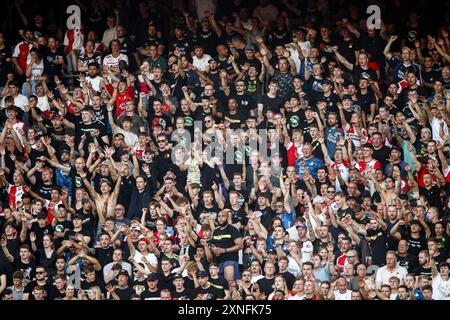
243 150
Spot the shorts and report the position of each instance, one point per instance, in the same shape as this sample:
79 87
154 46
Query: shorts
235 266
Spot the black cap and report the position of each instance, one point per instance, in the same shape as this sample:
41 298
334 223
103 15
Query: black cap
250 47
272 251
77 216
123 272
42 215
347 97
152 277
177 276
202 274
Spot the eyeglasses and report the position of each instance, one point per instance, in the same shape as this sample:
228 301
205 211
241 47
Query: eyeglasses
330 191
161 141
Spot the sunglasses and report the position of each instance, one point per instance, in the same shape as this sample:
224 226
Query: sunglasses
161 141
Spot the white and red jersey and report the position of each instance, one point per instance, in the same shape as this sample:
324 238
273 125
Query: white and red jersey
343 168
74 39
51 205
368 166
22 53
447 173
341 262
293 153
17 126
15 194
357 140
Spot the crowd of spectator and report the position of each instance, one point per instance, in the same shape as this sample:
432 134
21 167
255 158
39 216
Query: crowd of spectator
224 149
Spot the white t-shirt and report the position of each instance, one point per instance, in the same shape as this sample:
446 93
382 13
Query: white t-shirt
201 63
109 61
435 126
383 274
130 138
150 258
43 104
307 251
37 70
441 288
293 266
343 296
19 101
95 82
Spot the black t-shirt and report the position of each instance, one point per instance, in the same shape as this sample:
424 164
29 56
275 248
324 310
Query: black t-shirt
347 49
236 120
224 238
183 295
273 104
415 245
365 100
220 284
31 285
77 181
266 285
125 293
378 246
28 269
245 102
382 155
420 270
148 295
210 293
409 262
139 286
5 69
104 256
290 279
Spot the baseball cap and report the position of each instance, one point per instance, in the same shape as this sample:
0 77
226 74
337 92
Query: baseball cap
202 274
64 150
177 276
123 272
273 251
152 277
347 97
135 228
42 215
250 47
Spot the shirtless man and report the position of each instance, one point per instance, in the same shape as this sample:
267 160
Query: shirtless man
106 201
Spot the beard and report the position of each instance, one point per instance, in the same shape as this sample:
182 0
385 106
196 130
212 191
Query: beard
223 224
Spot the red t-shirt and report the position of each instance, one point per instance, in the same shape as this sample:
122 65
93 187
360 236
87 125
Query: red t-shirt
121 98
